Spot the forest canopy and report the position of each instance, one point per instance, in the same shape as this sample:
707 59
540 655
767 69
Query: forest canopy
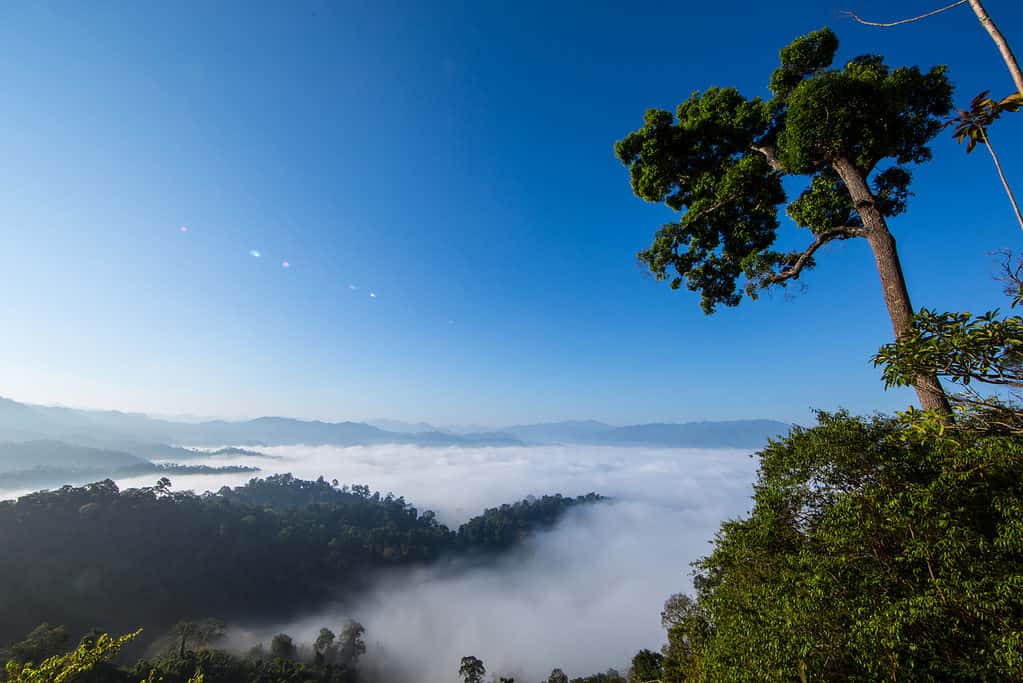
96 556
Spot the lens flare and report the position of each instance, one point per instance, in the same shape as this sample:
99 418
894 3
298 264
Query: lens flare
184 228
285 264
254 253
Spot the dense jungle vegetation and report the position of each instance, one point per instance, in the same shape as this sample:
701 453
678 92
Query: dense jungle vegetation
267 549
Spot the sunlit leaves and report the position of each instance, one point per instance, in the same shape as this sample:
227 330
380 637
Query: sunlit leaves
865 112
801 58
68 667
971 125
959 346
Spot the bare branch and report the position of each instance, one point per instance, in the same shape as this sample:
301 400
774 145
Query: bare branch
861 20
793 271
1011 275
771 156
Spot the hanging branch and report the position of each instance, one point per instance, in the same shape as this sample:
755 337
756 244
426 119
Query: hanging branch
863 21
985 20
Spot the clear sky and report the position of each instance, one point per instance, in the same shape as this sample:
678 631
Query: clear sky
454 160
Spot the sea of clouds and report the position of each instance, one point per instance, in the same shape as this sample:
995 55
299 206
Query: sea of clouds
584 596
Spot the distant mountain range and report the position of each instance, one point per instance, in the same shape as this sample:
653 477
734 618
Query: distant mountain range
148 437
40 464
131 431
719 434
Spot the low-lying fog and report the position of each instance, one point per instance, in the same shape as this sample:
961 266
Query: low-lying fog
584 597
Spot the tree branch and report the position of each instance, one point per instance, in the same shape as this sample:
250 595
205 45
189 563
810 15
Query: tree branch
691 216
861 20
771 156
793 271
1000 42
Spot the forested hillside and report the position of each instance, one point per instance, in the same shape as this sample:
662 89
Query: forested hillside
95 556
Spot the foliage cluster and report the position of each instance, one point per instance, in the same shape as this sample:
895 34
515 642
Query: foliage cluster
720 158
330 659
869 555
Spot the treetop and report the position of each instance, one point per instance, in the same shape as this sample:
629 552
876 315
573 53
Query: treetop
719 160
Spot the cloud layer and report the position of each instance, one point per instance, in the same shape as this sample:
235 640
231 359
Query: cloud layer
583 597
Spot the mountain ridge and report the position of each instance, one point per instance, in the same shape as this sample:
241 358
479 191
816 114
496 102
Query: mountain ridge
110 429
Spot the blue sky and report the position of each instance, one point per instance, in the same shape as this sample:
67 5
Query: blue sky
454 159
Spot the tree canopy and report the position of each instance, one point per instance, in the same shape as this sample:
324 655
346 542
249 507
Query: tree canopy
269 549
869 555
720 158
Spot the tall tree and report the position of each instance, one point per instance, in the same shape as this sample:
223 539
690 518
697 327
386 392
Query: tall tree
675 609
472 670
721 159
646 667
350 644
199 633
973 124
324 649
283 647
557 676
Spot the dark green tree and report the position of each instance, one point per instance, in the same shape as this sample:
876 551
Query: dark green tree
283 647
42 642
609 676
646 667
675 608
324 649
197 633
557 676
472 670
721 157
350 644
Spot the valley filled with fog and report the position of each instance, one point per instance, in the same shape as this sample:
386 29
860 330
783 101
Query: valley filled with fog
583 596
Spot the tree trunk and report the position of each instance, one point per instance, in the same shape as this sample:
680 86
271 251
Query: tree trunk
1001 42
893 283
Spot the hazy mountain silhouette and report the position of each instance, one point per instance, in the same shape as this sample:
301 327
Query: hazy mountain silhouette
41 464
133 431
726 434
55 454
723 434
569 431
148 437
